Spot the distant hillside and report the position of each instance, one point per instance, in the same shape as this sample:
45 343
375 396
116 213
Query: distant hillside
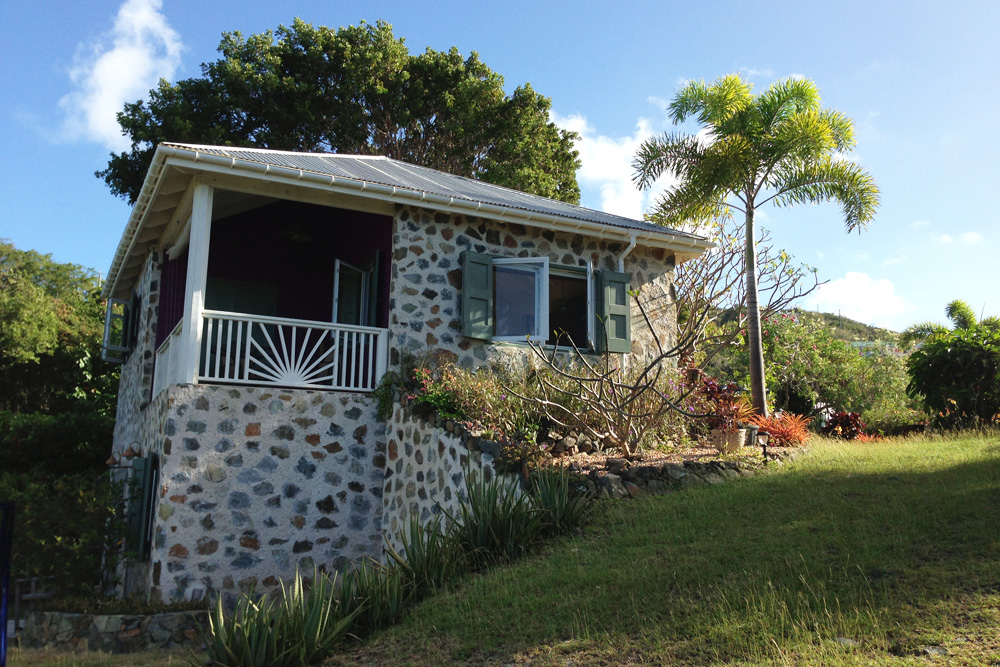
844 328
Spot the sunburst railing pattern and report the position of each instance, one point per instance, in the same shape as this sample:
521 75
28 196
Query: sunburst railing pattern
251 349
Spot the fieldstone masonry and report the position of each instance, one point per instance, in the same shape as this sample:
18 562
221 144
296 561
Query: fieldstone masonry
425 308
426 468
255 483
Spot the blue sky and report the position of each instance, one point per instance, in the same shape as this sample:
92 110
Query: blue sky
921 81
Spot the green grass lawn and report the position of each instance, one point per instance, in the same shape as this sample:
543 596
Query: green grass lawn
883 553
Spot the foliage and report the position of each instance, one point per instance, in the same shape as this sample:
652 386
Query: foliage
105 605
786 429
563 508
311 618
961 315
727 408
436 396
51 324
428 559
957 374
383 395
377 593
65 527
779 146
846 425
255 635
497 522
62 444
355 90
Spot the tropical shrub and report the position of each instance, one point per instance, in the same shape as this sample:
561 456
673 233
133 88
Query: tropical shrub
728 409
846 425
66 526
957 376
786 429
562 507
498 523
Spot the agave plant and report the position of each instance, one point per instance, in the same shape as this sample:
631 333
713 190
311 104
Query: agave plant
313 617
428 558
562 507
254 635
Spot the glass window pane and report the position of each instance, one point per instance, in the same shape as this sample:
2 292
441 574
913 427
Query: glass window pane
514 301
568 310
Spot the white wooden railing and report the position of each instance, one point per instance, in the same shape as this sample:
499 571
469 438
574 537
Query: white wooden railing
252 349
169 368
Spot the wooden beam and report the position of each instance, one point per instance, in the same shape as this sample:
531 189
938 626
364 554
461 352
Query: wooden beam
308 193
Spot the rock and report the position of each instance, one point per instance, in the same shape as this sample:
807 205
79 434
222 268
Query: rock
585 446
633 490
617 466
845 641
558 447
932 650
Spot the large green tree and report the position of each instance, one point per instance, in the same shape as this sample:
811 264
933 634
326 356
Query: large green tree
780 146
51 325
354 90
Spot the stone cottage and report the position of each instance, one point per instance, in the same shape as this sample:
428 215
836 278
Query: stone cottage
257 298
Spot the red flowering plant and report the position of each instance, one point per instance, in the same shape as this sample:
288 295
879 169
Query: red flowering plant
729 409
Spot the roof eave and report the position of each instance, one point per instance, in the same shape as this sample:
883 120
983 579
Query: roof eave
683 246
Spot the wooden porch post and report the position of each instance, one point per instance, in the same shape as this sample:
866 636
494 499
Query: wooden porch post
197 273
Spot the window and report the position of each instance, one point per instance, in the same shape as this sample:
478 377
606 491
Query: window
121 329
510 299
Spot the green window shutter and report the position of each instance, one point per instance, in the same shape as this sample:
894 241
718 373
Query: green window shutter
137 539
614 313
477 295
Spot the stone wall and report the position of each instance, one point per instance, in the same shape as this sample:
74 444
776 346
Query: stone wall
113 633
427 463
256 482
136 383
425 315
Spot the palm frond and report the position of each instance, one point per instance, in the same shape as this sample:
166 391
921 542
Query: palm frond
961 314
669 154
711 105
826 179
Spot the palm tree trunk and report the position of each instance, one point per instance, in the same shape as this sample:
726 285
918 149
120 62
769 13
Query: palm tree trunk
755 347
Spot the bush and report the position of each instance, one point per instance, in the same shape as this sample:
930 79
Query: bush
846 425
497 523
64 526
63 443
563 508
957 375
786 429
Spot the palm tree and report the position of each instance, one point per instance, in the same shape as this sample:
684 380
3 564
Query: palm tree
962 317
779 146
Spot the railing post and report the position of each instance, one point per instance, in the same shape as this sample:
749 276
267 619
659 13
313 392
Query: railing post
6 546
194 289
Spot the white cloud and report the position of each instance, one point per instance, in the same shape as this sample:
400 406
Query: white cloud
121 66
752 72
890 261
971 237
861 298
606 166
944 238
920 224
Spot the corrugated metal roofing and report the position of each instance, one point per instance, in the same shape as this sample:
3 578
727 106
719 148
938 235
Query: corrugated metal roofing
393 173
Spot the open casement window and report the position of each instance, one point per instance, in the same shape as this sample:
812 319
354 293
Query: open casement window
355 293
121 329
508 299
142 485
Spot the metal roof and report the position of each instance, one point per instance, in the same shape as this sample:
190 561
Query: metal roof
394 173
375 177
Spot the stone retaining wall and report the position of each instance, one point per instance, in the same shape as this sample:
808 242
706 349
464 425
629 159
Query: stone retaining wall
112 633
427 462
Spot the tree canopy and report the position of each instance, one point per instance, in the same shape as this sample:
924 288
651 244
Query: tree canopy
780 146
51 327
354 90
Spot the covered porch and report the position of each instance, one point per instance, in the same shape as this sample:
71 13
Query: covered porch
270 292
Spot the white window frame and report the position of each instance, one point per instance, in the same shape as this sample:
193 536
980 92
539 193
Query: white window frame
540 267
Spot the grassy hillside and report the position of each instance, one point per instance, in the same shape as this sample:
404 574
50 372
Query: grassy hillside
844 328
857 554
